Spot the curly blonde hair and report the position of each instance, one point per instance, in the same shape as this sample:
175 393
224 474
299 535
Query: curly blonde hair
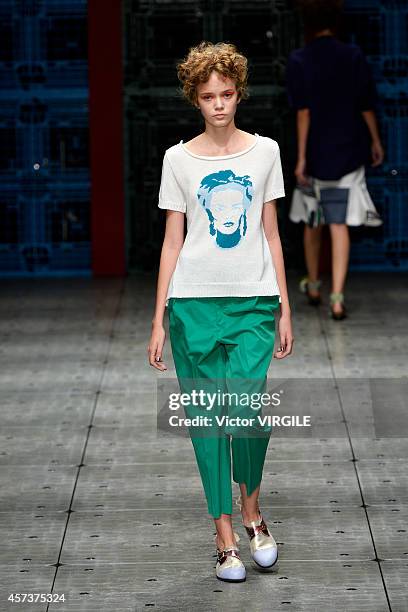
202 59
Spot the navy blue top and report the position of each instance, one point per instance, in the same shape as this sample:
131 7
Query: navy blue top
333 80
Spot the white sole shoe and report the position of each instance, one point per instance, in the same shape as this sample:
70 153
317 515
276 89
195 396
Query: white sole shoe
264 550
229 566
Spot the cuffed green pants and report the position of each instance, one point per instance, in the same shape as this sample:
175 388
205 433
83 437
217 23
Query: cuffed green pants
227 339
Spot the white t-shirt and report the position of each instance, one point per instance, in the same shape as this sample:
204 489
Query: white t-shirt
225 252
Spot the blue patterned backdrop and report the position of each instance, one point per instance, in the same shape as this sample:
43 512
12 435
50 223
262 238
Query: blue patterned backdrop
44 156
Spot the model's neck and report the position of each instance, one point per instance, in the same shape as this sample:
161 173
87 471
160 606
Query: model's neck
220 135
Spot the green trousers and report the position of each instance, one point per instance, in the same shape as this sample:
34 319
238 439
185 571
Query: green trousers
228 339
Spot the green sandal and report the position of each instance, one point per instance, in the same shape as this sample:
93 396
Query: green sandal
304 286
336 298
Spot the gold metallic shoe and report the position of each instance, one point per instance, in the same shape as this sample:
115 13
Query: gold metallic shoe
229 566
264 550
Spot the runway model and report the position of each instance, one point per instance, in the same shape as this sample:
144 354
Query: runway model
223 285
331 87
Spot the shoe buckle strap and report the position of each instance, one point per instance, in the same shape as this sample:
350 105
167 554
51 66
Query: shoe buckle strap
253 531
336 297
314 284
228 552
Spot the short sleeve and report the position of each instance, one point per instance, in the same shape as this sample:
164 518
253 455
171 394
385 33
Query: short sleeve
296 84
170 194
366 93
274 185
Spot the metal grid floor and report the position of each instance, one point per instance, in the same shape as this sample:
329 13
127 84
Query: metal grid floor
95 506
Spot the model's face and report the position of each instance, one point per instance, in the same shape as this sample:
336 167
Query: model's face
218 96
226 208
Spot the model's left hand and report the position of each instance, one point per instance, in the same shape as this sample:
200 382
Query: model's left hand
286 337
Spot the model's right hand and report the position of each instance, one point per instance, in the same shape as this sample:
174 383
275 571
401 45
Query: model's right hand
300 174
377 153
155 348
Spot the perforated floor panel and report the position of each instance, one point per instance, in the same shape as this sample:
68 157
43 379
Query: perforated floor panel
97 506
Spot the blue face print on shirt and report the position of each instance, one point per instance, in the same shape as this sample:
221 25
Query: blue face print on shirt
226 198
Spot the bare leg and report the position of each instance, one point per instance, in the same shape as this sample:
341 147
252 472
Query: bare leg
340 258
311 241
225 535
250 508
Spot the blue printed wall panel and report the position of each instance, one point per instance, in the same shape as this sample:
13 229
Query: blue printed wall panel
380 28
44 139
44 156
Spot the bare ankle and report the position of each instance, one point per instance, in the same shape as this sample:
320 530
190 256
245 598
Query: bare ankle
225 542
250 514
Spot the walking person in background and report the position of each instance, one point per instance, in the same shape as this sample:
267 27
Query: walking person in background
330 85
